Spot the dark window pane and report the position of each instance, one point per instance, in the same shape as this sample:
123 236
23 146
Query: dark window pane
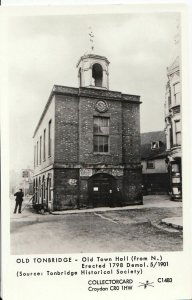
95 128
105 142
100 134
99 129
95 125
95 144
100 144
96 121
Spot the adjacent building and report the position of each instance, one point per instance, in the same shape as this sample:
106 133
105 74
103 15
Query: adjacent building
173 128
154 163
87 143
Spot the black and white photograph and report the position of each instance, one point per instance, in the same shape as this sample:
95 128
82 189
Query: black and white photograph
95 133
96 152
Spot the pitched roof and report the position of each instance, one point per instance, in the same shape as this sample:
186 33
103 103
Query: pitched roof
147 138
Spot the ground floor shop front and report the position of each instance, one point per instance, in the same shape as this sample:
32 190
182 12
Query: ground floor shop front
174 164
61 188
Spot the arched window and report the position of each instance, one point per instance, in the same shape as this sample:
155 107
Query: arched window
97 75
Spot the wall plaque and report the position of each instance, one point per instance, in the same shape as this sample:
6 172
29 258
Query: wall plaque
86 172
117 172
101 106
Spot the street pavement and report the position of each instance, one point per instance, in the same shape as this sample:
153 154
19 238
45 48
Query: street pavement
131 228
175 222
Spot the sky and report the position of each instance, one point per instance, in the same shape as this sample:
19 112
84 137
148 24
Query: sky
44 50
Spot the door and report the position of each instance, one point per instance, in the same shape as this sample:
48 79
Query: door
99 187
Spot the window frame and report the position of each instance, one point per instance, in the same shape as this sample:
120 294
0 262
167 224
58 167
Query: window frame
44 145
37 153
100 134
49 138
40 150
34 156
148 162
177 131
176 100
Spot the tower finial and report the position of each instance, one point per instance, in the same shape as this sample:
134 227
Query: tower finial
91 38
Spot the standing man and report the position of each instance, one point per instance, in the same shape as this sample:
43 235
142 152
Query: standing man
18 200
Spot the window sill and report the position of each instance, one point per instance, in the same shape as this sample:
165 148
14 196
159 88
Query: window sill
102 153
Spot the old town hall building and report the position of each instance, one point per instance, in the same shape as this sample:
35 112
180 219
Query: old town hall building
87 143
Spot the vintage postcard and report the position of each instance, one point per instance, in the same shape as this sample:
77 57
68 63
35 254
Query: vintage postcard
95 126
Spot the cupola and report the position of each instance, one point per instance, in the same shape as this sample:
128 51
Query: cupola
93 71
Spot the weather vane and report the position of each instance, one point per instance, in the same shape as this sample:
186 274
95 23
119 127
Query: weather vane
91 37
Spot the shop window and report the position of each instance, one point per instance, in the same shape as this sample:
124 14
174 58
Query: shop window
175 168
101 135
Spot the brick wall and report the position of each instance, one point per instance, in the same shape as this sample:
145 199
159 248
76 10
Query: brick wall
132 181
86 113
66 129
66 189
74 110
131 132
